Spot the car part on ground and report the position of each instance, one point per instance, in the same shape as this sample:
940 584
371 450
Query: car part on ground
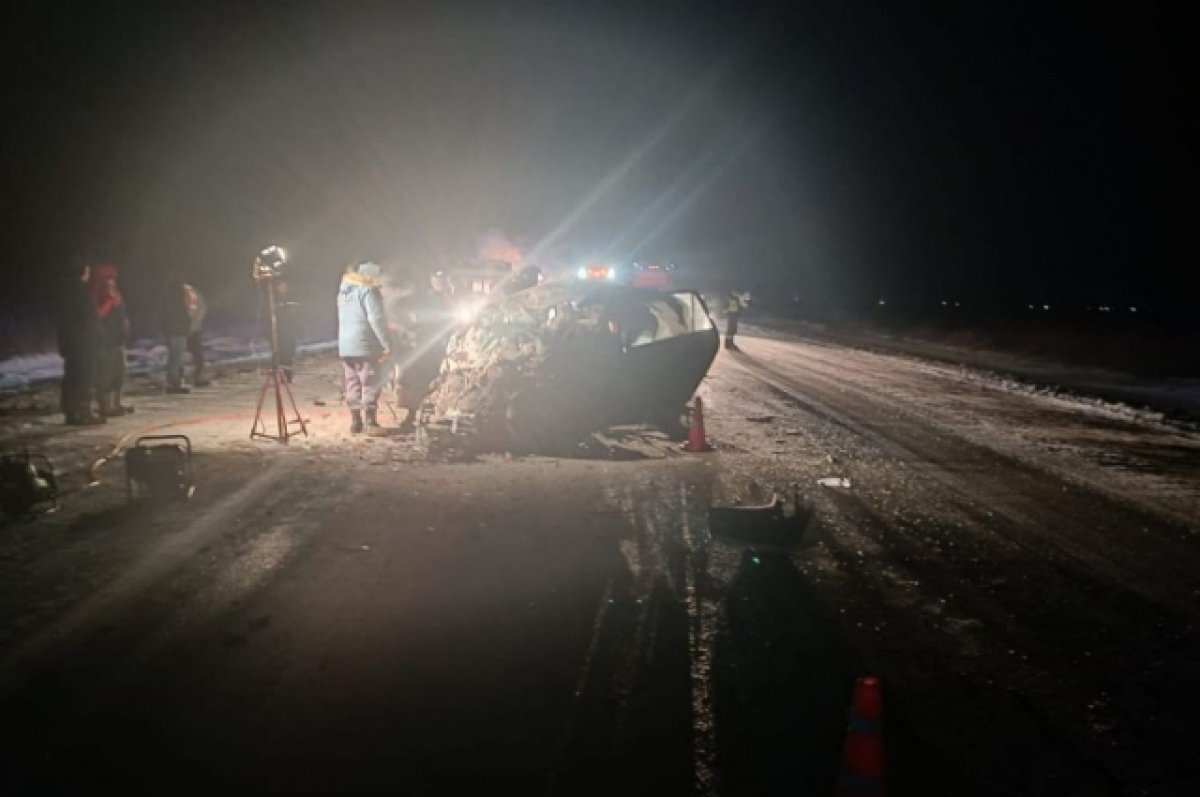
764 523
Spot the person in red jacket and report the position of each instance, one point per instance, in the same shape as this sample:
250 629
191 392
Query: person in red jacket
110 345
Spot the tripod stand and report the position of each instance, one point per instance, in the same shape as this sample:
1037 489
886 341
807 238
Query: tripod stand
278 382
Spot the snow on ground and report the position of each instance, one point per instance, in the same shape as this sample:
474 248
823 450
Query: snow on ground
992 542
1138 455
1123 395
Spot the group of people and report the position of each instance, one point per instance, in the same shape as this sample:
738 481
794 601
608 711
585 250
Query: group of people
93 329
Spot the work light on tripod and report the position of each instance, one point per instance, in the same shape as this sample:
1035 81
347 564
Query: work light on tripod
269 263
268 266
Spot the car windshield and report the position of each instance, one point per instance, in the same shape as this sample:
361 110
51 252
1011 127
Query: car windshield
675 315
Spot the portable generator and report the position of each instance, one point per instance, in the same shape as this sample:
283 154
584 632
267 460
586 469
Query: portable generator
26 480
159 467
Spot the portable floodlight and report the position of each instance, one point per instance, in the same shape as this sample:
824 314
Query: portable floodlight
267 267
269 263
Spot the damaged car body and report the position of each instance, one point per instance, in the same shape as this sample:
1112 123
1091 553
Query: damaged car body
544 368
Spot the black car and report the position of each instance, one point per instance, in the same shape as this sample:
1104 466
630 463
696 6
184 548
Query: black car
552 364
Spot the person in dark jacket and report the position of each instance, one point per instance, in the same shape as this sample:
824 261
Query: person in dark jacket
78 331
287 328
197 312
176 326
110 345
429 327
362 344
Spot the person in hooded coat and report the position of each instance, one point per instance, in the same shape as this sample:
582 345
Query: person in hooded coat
362 344
110 345
78 332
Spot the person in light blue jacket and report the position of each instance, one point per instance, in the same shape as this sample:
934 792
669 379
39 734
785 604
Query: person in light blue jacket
362 343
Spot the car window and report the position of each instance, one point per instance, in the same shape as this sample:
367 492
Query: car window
678 314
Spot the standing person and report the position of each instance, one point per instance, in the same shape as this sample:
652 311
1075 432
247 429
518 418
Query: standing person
196 310
110 348
78 331
362 344
733 313
429 329
287 328
176 326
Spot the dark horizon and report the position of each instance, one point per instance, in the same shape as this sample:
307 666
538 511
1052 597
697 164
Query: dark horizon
992 155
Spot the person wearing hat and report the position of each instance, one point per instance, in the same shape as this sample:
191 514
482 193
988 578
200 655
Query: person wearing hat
362 344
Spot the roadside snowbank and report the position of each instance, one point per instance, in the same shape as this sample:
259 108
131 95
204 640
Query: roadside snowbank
144 356
1118 394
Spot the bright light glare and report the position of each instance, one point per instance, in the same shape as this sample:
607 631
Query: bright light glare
276 252
581 273
612 274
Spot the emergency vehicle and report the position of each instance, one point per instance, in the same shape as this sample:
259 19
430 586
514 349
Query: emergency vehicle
656 276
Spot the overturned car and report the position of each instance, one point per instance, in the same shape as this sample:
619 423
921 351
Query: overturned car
543 368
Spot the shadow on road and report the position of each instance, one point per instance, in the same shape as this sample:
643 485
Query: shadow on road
783 677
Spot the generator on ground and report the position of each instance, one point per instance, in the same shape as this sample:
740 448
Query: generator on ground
159 467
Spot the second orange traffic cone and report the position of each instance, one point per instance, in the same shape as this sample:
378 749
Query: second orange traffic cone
862 755
696 440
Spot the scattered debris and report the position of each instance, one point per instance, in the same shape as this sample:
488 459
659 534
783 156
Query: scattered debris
763 523
834 481
26 480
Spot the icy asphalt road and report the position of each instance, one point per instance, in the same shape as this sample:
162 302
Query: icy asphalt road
1020 570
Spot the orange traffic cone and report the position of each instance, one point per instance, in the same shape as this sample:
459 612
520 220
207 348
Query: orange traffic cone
696 440
862 755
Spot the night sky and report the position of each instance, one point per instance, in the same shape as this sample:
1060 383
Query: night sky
981 151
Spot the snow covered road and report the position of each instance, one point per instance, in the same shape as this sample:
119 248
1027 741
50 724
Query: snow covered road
1021 570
